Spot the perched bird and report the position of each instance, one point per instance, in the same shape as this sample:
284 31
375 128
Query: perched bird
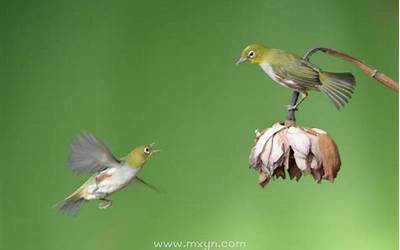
290 70
89 155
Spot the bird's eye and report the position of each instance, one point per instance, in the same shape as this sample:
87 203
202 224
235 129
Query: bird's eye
251 54
147 150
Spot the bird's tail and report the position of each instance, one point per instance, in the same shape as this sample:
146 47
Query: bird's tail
338 87
73 203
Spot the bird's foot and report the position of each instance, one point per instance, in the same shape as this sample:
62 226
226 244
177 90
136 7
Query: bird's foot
105 204
291 107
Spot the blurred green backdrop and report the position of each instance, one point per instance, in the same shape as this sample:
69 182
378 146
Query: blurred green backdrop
133 72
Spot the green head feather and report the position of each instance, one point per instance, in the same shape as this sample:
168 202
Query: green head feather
138 157
253 53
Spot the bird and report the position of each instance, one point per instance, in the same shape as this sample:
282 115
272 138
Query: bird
89 155
298 74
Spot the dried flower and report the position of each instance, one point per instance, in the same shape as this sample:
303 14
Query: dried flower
296 150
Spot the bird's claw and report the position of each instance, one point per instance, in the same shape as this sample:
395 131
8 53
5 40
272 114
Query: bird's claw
291 108
105 204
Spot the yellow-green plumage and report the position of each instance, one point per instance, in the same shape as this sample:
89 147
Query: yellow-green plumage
137 157
298 74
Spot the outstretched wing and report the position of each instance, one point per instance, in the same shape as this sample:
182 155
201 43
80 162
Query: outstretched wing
293 68
152 187
89 155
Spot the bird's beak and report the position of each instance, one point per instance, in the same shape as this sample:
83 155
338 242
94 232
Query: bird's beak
242 59
153 149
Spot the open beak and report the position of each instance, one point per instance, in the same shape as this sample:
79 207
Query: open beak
241 60
153 150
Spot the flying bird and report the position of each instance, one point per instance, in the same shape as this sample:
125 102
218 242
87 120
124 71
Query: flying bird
89 155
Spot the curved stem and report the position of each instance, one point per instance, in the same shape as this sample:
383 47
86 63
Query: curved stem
372 72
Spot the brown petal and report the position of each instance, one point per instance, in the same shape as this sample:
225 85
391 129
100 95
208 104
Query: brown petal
280 172
317 174
330 156
294 171
263 179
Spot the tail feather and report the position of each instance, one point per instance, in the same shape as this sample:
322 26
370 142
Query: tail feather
339 87
71 207
73 203
340 94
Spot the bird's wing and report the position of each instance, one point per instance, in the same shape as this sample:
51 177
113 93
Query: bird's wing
152 187
89 155
298 71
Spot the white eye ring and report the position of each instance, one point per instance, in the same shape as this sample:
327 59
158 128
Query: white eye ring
146 150
251 54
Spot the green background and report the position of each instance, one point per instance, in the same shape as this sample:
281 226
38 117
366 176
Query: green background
135 72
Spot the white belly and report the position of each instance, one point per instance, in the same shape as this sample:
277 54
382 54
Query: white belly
116 178
270 72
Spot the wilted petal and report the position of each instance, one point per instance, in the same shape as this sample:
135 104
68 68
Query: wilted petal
280 172
266 154
316 160
273 153
252 160
314 164
318 131
301 144
266 169
293 170
277 149
282 149
260 144
298 150
263 179
317 174
301 161
330 157
298 140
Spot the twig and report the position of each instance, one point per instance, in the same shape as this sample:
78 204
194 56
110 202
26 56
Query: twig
372 72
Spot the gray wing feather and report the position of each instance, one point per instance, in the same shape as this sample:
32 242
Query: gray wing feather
152 187
89 155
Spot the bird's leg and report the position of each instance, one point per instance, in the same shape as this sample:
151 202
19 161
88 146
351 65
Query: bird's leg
304 95
291 111
104 201
294 106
